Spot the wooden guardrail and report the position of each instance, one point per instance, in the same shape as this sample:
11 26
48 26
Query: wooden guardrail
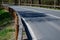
41 5
15 18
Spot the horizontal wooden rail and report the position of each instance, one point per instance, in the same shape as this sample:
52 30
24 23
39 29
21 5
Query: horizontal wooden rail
40 5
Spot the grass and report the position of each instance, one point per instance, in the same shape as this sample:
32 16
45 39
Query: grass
7 31
5 17
2 11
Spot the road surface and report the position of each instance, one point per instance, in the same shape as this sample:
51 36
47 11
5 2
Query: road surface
43 23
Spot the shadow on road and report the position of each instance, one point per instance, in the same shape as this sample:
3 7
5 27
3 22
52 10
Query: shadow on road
36 17
30 14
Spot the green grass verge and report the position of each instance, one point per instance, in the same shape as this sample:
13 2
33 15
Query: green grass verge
6 33
5 17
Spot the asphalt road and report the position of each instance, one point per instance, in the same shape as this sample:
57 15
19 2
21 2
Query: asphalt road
44 23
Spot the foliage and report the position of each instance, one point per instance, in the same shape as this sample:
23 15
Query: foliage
7 32
5 17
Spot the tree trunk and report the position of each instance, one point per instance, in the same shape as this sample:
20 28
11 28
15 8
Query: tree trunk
0 3
58 2
16 2
39 1
32 1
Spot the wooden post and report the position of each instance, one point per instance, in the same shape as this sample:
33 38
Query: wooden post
13 13
16 25
54 3
20 2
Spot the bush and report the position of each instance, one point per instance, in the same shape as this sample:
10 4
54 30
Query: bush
5 17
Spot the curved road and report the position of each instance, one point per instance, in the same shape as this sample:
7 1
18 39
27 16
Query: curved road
43 23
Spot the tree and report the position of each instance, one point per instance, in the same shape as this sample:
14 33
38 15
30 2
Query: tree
0 2
39 1
16 2
58 2
32 1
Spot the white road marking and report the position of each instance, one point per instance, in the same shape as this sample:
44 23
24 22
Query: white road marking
54 25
